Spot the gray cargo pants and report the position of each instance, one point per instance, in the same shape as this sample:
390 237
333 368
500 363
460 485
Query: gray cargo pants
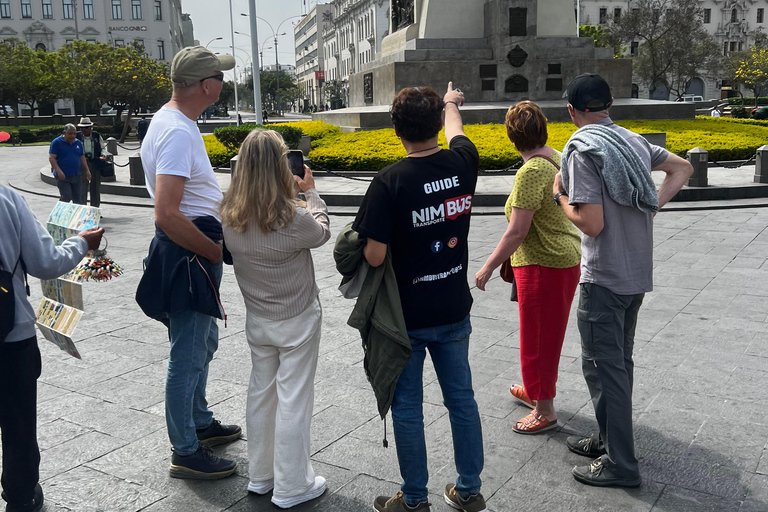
607 324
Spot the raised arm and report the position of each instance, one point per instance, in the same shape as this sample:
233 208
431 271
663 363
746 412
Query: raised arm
453 99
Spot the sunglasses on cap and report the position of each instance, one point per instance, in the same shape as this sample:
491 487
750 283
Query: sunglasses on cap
219 77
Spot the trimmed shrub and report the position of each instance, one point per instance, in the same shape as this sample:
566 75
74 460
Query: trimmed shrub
739 113
316 130
233 136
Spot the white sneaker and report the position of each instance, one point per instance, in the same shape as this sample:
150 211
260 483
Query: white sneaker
316 491
261 487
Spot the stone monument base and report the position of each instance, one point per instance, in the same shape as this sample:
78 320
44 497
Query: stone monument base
377 116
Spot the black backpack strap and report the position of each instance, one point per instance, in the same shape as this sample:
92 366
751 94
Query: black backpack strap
23 270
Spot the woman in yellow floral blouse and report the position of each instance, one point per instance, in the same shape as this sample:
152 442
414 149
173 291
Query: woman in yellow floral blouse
545 251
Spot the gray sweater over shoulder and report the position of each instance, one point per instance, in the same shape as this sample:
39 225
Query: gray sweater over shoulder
21 234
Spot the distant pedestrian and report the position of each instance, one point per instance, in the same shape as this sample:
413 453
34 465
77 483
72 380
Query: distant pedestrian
239 119
141 128
416 216
265 116
67 158
188 236
269 233
93 149
545 253
715 112
616 220
26 248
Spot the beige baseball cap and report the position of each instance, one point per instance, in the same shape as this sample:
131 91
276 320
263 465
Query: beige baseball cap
194 63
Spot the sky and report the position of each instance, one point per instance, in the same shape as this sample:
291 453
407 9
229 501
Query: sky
211 19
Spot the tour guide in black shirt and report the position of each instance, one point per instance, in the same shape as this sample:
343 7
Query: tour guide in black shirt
420 208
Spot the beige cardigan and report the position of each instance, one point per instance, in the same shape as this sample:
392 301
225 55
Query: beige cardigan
275 270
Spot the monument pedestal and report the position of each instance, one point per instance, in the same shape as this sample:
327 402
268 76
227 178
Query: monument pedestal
494 50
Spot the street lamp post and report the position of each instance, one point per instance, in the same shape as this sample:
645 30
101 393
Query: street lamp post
255 60
214 39
232 32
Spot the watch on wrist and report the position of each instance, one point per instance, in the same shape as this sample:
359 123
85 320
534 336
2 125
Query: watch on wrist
557 196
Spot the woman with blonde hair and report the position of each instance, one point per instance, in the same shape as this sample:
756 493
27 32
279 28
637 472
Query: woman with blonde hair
545 251
270 233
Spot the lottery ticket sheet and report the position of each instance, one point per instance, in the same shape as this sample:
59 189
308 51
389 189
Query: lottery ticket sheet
62 307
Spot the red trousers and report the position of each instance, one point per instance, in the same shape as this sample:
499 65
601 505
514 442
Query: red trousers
544 297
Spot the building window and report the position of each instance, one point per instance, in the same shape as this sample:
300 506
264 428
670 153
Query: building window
67 10
161 50
117 9
158 10
725 48
707 15
40 47
633 48
92 41
603 15
760 13
26 9
139 42
733 16
47 10
88 9
136 9
733 46
617 14
119 43
5 8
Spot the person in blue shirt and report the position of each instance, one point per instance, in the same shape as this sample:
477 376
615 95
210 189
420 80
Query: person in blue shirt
67 157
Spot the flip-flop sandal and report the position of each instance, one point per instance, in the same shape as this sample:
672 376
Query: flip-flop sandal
519 393
534 424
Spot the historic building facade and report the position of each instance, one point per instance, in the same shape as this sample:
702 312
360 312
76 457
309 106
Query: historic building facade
353 38
310 58
732 23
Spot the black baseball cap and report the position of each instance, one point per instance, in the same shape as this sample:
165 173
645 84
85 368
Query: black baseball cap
586 88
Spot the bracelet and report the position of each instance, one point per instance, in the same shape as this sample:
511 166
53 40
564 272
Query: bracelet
457 105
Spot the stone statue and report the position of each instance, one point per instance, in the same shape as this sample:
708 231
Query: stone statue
402 14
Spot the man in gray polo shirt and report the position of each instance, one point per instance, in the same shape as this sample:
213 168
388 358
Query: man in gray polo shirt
608 194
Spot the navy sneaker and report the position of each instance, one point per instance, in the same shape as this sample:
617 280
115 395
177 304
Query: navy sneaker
201 465
35 505
216 434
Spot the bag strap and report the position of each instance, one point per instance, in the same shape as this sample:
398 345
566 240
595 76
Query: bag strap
557 166
23 271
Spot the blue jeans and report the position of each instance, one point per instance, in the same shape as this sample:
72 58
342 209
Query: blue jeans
194 338
448 346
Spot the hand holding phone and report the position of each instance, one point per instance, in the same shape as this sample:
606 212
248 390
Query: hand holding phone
296 162
307 182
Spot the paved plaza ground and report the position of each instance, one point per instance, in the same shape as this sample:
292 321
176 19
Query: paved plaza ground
700 400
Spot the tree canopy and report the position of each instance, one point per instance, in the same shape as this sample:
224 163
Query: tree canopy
674 47
122 77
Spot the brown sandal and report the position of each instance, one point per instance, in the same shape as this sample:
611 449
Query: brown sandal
533 424
519 393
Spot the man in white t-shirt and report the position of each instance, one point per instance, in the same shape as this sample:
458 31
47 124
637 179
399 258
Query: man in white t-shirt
188 234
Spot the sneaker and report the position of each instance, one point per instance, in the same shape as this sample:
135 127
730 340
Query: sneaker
34 505
586 446
261 487
216 434
315 491
475 503
398 504
201 465
600 476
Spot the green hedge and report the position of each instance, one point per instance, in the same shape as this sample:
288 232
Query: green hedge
233 136
29 135
749 101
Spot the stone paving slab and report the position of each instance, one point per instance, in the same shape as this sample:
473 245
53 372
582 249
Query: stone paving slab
700 403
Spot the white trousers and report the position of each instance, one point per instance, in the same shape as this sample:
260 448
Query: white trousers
281 396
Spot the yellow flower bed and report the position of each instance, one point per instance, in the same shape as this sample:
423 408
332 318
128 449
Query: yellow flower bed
218 153
724 138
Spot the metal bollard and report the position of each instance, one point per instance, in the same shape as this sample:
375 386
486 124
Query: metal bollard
112 145
136 170
233 165
761 165
699 159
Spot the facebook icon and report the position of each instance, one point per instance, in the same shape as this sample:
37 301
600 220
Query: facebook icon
436 246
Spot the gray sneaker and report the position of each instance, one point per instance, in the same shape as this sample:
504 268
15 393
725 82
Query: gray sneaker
475 503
